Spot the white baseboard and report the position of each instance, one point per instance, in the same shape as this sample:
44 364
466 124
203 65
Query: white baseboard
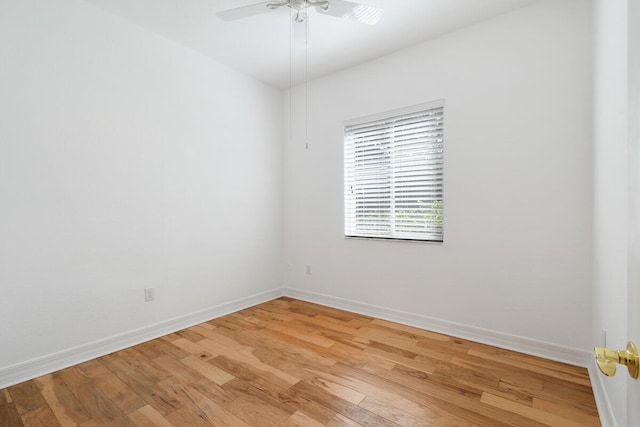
572 356
607 419
53 362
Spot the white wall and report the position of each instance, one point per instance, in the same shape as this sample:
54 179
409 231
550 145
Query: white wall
517 250
126 161
610 188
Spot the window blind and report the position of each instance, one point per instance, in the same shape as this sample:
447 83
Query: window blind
394 174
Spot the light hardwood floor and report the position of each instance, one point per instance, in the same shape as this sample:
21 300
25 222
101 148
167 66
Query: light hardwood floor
292 363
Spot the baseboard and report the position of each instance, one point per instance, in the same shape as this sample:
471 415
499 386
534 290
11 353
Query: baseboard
607 419
53 362
572 356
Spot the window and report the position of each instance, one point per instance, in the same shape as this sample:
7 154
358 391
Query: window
393 166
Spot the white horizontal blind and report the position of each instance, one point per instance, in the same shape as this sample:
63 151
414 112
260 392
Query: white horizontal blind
394 175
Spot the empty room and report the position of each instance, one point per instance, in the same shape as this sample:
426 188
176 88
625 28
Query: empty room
319 213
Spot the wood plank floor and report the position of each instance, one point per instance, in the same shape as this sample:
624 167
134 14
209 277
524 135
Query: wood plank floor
292 363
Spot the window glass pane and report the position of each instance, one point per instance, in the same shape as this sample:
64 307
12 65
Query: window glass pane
394 175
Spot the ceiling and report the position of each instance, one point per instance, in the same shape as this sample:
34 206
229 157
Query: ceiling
259 45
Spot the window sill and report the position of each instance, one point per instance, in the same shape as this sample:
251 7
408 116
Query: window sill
391 239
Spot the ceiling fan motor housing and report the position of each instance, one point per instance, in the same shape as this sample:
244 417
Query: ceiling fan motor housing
300 5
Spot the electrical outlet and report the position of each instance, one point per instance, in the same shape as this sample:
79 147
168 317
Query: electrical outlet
149 294
308 270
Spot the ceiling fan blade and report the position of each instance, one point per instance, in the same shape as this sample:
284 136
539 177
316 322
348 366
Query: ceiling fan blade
246 11
358 12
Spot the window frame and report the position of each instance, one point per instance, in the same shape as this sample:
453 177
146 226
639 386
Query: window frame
436 206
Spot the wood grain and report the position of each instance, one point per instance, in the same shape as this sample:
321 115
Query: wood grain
292 363
64 405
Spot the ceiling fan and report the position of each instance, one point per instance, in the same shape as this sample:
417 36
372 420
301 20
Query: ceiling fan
339 8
